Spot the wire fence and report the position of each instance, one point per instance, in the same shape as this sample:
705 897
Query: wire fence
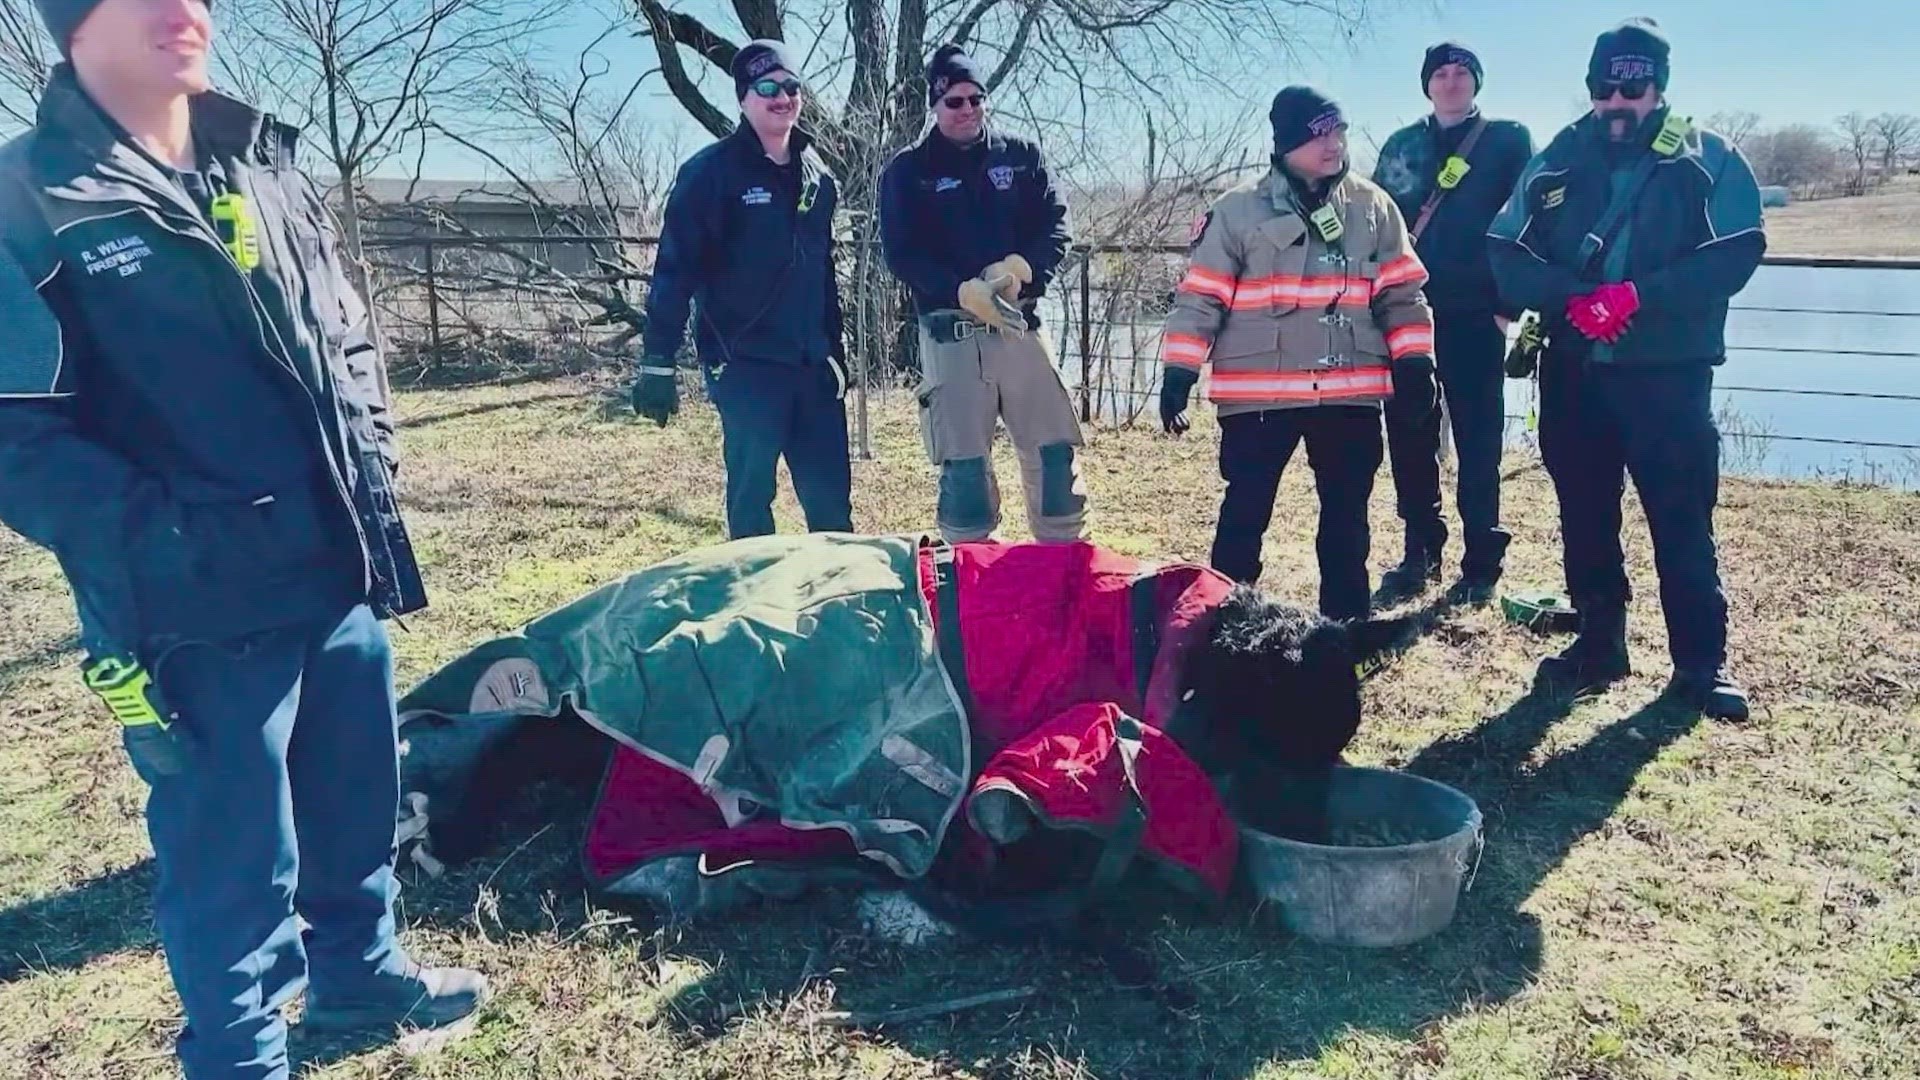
523 298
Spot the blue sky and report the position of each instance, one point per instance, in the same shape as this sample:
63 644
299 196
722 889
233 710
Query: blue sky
1794 65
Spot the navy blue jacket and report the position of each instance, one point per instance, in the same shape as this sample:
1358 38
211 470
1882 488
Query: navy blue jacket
755 270
208 451
1454 245
947 212
1693 240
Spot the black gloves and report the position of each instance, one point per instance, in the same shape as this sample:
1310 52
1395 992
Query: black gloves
656 393
1176 386
1414 392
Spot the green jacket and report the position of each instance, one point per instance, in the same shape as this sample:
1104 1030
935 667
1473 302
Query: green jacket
803 685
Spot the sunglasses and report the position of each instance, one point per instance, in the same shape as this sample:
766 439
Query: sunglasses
1631 89
961 101
772 88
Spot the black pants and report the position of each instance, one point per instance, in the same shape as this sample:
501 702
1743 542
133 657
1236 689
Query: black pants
1469 352
1343 447
768 411
1600 422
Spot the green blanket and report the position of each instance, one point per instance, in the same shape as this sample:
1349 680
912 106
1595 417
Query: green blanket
795 676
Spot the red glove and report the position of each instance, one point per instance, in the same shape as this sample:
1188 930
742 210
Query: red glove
1604 313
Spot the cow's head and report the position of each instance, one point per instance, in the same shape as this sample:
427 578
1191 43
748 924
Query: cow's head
1277 688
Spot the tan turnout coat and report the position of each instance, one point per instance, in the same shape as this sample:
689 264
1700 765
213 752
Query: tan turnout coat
1288 321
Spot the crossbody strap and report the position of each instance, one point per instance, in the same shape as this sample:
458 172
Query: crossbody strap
1439 193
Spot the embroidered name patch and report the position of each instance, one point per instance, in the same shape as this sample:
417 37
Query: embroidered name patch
120 256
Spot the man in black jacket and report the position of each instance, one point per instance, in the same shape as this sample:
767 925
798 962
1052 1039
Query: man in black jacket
193 418
1450 173
973 225
1629 234
748 245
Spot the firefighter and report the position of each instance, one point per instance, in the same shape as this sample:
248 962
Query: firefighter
1630 233
748 245
194 419
1304 291
1450 173
970 220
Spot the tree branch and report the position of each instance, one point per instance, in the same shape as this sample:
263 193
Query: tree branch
670 30
760 19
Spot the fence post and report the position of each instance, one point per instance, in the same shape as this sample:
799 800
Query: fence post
433 304
1086 336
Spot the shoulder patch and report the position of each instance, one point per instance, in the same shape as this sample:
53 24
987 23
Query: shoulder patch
30 345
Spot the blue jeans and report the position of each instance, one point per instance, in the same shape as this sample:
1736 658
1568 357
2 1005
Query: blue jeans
287 805
769 410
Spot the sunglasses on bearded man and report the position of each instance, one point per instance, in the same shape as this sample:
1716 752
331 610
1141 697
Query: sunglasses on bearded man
1631 89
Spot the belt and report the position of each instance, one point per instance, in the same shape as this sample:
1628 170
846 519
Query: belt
952 327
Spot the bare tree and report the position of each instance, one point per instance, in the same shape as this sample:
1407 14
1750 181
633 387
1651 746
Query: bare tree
1857 143
367 77
1800 157
588 173
1736 127
1896 136
24 61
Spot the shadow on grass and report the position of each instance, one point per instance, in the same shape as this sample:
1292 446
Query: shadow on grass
1259 993
109 914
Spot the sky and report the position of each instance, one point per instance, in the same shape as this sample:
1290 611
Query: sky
1792 65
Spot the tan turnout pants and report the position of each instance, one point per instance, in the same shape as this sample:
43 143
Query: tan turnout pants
966 388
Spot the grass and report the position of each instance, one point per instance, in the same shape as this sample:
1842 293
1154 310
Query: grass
1659 897
1884 224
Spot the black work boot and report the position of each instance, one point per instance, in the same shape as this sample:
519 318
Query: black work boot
420 998
1709 692
1597 657
1420 568
1480 570
1475 588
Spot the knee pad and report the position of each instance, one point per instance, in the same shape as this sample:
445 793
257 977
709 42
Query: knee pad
964 503
1060 492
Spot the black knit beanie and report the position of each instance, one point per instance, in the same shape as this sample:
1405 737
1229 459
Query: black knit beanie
754 60
1451 52
1636 49
63 17
950 67
1301 114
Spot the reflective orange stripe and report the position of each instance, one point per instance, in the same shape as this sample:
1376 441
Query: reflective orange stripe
1204 282
1413 340
1184 350
1311 291
1403 270
1336 383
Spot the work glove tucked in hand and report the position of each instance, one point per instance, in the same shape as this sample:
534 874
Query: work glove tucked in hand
1176 386
1013 272
1604 313
656 393
1414 392
979 300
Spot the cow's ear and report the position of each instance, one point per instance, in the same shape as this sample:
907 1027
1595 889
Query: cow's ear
1375 639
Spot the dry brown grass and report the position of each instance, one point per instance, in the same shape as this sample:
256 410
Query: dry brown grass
1659 898
1883 225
